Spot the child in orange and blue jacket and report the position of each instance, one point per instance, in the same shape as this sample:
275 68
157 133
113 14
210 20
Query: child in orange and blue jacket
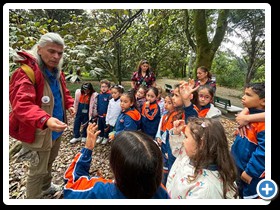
162 136
136 163
182 94
103 99
205 108
249 151
150 113
130 118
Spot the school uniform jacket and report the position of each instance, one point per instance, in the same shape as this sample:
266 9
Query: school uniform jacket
249 152
79 184
208 111
150 119
128 120
165 125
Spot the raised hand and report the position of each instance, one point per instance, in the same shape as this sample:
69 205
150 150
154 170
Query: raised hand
178 126
187 88
92 134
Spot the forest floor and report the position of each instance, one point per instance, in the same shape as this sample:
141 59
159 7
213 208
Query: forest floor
100 162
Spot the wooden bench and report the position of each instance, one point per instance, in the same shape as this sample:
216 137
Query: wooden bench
225 105
168 88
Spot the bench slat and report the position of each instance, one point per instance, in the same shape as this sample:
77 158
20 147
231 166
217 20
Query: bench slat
225 104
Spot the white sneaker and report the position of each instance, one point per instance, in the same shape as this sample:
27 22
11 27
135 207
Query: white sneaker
52 189
99 139
74 140
84 139
105 140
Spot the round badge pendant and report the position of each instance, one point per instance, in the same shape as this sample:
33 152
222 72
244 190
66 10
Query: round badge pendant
45 99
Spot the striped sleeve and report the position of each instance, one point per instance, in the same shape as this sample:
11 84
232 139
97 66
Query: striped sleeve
79 184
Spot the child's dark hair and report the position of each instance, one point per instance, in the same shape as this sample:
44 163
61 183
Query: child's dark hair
87 86
180 113
154 89
132 91
169 95
258 88
136 162
144 87
209 88
119 88
212 149
131 96
195 99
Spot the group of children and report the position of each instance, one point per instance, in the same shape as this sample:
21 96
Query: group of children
115 111
195 159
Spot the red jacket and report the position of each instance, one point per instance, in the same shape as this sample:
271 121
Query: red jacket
25 98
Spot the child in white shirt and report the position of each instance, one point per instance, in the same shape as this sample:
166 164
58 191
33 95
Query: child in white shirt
114 109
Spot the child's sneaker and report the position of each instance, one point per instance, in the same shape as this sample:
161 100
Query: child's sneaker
99 139
74 140
84 139
105 140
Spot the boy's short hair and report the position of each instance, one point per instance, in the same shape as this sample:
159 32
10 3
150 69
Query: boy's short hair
105 81
258 88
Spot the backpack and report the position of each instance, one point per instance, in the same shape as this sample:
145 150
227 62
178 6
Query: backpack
29 72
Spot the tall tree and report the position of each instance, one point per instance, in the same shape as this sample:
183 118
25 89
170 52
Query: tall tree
199 37
250 25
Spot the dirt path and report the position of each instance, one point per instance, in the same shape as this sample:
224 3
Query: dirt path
232 94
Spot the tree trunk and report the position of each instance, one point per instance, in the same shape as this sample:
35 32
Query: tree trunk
205 50
119 73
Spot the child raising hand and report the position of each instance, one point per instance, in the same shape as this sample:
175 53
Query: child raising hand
136 163
204 167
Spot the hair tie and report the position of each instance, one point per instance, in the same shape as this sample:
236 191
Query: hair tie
203 125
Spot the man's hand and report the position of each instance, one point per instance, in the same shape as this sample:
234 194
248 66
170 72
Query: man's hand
55 124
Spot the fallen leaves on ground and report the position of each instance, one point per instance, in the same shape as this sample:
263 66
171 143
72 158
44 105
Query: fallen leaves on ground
99 166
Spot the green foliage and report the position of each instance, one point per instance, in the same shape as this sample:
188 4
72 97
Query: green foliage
108 43
228 70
